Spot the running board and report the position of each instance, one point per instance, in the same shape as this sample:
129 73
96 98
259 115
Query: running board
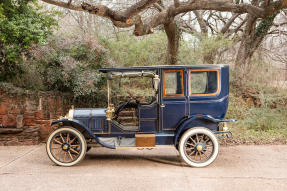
140 141
118 141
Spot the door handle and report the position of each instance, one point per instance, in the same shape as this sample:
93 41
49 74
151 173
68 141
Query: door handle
162 105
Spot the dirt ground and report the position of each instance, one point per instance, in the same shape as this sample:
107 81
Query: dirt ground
236 168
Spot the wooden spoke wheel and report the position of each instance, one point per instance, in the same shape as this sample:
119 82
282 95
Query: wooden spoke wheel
66 146
198 147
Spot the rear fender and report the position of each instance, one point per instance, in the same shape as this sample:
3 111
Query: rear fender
82 128
195 121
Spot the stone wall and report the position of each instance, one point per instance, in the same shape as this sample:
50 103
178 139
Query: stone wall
25 117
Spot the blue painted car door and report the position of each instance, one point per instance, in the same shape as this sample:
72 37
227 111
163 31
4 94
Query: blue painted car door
173 105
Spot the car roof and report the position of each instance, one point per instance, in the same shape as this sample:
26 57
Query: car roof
143 68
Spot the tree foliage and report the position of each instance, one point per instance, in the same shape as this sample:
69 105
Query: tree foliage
22 24
65 64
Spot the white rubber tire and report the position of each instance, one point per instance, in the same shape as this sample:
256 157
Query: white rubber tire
81 139
191 132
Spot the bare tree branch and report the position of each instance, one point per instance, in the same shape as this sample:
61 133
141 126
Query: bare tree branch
176 3
280 24
201 21
158 7
229 22
104 11
238 27
130 16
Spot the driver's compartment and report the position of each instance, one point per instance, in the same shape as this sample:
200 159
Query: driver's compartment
135 102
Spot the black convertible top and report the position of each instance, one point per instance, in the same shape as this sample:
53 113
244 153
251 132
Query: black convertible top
152 68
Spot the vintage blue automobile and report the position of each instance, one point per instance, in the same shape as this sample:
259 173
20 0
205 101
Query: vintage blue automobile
187 113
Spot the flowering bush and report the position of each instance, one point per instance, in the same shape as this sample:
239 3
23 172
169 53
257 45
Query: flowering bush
67 65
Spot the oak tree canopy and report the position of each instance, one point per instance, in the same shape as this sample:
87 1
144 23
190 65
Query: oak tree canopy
131 16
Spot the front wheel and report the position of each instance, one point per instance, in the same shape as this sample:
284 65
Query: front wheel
66 146
198 147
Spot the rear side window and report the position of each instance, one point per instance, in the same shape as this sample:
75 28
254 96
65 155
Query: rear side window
173 83
204 82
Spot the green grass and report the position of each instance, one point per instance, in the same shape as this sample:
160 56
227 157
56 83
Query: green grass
257 125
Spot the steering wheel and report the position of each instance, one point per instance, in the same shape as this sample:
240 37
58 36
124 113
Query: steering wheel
128 104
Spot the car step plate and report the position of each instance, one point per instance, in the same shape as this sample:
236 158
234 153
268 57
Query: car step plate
145 140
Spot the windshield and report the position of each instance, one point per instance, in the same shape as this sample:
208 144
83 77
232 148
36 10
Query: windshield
139 89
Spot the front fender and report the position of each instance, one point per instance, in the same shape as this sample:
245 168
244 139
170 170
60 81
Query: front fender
195 121
82 127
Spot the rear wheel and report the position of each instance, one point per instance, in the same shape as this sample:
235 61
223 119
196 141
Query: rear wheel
66 146
198 147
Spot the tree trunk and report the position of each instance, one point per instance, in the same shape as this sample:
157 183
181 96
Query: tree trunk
251 39
244 52
173 37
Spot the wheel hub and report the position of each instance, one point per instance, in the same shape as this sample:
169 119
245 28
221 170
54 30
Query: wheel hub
199 147
66 147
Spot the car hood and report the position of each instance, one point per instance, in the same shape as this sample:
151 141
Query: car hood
89 113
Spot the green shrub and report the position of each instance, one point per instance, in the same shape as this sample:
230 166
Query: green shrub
259 125
67 65
22 24
129 50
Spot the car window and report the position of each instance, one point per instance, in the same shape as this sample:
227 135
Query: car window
204 82
123 89
173 83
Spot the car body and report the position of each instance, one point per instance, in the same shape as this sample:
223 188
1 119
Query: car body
190 102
